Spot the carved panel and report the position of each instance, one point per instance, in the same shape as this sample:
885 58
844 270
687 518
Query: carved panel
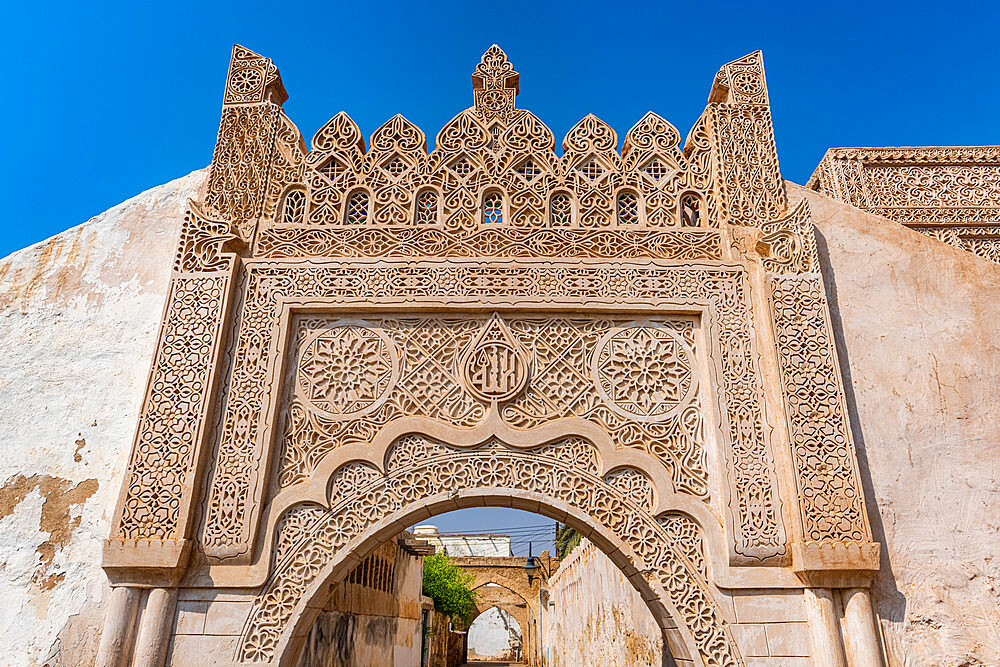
563 364
238 177
446 358
160 471
750 184
829 494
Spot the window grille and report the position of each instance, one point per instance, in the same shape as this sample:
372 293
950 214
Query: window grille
356 212
628 208
691 210
560 210
294 210
493 208
427 207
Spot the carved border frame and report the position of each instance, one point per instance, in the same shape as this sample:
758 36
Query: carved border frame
490 284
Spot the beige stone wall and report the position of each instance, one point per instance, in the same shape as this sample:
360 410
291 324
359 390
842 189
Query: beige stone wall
361 626
78 320
920 324
598 617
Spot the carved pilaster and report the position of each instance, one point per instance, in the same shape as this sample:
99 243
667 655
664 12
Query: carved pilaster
745 156
149 537
834 537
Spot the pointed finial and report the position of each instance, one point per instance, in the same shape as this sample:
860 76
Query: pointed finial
741 82
252 79
494 86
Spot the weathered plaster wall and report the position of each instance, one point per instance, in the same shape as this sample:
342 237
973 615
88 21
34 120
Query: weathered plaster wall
920 347
361 626
495 635
78 320
598 617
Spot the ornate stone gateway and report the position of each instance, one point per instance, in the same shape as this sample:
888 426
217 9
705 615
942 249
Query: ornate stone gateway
359 337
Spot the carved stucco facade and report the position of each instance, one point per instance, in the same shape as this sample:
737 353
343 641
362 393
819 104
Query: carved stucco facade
253 488
636 343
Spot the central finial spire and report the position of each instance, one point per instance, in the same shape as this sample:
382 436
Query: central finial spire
494 86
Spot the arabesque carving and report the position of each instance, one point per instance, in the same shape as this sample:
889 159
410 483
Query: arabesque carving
418 468
356 331
949 193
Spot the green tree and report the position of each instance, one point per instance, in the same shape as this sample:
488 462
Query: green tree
450 587
567 539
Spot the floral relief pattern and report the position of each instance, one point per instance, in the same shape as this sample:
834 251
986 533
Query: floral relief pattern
433 385
307 542
347 370
169 425
644 372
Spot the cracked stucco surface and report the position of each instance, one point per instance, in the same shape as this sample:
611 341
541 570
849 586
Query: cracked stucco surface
78 320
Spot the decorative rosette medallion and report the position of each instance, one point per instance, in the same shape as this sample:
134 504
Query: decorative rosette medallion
644 372
347 370
494 366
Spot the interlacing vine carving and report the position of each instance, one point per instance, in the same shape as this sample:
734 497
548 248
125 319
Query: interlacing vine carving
418 467
170 423
441 358
829 497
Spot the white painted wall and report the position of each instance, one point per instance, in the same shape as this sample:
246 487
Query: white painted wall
78 320
598 618
495 635
464 545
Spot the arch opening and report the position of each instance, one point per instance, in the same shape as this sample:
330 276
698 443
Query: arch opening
495 636
658 585
419 476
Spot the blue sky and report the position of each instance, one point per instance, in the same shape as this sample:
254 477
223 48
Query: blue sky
107 100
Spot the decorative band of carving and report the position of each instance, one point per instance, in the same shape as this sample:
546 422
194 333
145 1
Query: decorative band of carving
276 242
937 186
830 498
159 478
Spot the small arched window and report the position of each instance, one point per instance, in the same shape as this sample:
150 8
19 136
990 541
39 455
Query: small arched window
493 208
560 210
692 209
427 208
293 211
628 208
356 211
